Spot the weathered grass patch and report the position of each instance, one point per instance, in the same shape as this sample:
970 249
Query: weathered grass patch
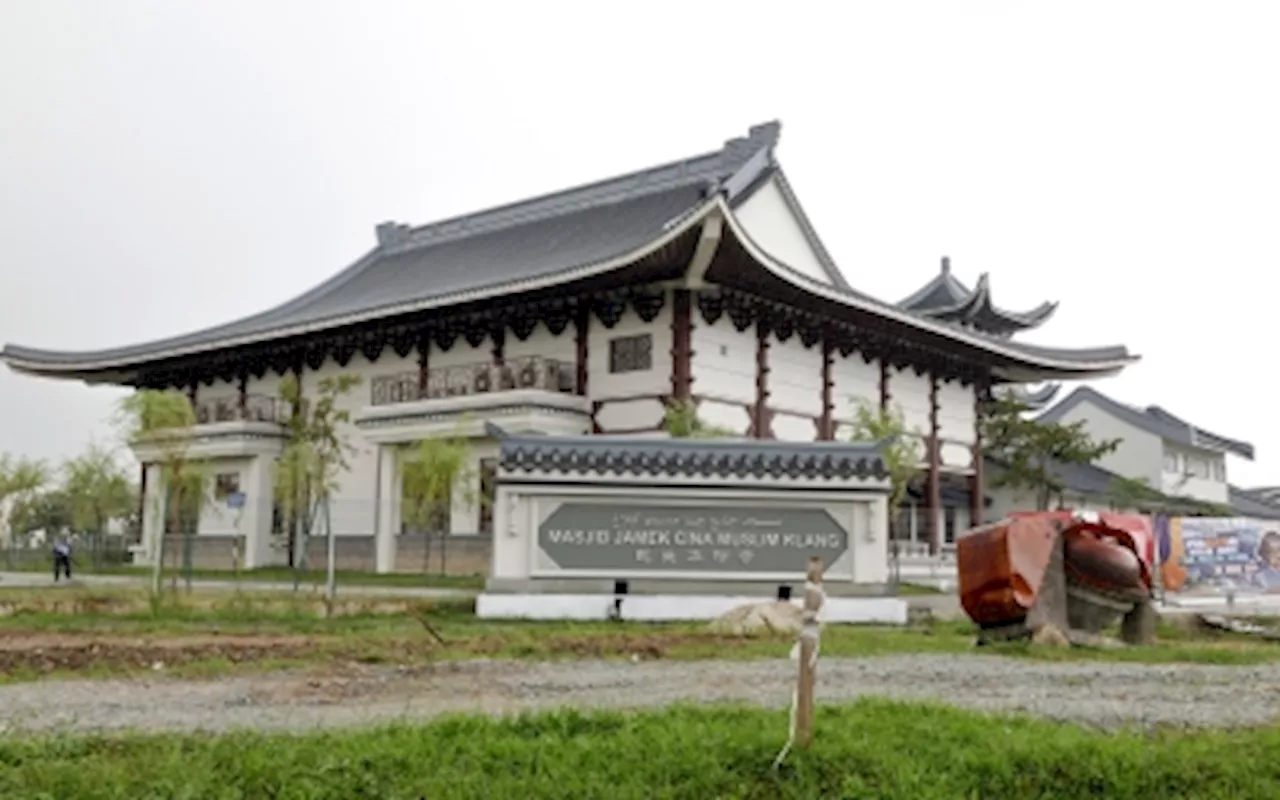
872 749
99 632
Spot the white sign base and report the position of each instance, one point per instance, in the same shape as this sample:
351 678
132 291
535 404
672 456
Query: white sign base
674 608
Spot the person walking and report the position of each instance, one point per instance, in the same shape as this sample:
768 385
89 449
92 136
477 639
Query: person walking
62 559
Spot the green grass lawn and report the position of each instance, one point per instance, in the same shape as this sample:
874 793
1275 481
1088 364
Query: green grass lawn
872 749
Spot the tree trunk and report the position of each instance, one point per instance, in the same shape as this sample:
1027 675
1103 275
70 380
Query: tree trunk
177 526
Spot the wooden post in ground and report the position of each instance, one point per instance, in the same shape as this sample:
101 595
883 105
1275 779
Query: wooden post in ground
810 636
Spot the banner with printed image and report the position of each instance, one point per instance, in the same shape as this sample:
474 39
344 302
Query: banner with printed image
1211 552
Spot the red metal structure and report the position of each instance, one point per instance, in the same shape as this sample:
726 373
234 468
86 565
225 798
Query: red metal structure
1078 572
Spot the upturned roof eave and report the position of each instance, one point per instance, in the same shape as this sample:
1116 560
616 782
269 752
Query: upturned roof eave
77 365
1048 362
1054 363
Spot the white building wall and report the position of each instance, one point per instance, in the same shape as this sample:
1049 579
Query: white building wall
770 224
1194 472
1139 455
542 343
910 393
459 354
854 381
795 388
630 398
266 386
957 421
216 518
724 373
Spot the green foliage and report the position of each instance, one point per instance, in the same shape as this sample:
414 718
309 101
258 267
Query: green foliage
20 481
49 511
21 476
163 420
316 451
1028 449
902 451
97 490
681 421
430 471
870 749
1136 493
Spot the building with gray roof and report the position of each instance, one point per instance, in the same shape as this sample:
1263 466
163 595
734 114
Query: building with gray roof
594 309
1169 453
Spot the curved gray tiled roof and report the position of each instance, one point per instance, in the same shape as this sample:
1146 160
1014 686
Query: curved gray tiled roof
946 298
1247 504
502 248
1153 419
630 455
1034 399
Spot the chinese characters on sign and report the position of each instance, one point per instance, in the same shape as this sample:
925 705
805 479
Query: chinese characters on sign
712 539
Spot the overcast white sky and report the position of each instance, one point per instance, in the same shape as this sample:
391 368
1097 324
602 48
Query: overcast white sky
170 164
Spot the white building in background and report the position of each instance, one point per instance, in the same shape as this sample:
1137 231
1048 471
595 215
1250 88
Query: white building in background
589 310
1168 453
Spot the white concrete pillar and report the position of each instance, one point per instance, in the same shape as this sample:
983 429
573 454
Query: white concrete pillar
255 520
152 513
388 509
871 541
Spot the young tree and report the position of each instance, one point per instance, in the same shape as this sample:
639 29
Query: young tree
49 511
1028 448
98 491
902 454
435 472
20 479
162 421
314 455
1133 493
681 421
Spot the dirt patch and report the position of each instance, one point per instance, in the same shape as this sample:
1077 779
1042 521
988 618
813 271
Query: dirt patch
47 653
25 653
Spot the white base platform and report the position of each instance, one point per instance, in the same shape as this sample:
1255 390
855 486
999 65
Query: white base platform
674 608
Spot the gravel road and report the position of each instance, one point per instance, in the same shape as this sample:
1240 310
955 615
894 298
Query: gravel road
1103 694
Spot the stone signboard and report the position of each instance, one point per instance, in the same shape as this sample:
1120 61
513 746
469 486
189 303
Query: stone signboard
655 538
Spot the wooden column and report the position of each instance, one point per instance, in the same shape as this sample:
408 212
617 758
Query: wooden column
142 505
827 424
242 399
499 337
424 365
885 396
934 481
581 327
978 481
761 422
681 345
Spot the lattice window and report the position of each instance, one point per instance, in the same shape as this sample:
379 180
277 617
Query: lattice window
631 353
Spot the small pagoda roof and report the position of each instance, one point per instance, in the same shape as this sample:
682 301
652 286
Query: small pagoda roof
641 226
1152 419
1033 399
946 298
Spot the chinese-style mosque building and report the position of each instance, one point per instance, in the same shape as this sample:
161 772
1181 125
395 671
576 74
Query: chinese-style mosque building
589 310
